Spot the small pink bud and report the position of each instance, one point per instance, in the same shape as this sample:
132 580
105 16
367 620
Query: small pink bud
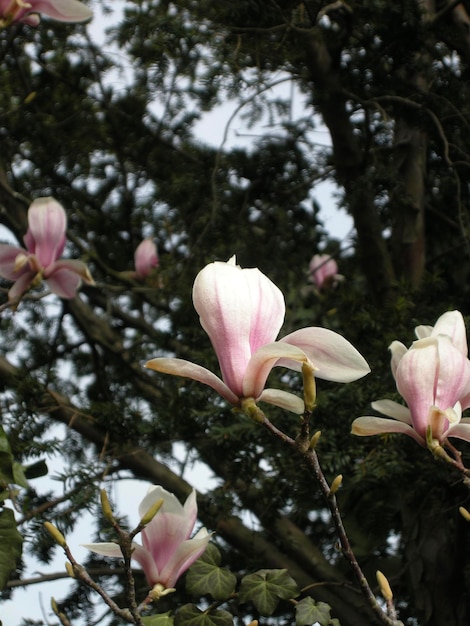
323 271
145 258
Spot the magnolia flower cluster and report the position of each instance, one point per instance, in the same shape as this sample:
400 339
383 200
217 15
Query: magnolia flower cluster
433 377
242 311
28 11
167 551
323 271
45 241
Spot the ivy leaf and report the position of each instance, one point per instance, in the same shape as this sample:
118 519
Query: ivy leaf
10 542
266 587
307 612
205 577
6 467
163 619
19 477
191 615
211 555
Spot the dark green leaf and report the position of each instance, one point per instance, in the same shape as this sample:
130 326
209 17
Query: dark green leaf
6 468
19 477
4 444
266 587
190 615
10 545
307 612
164 619
207 578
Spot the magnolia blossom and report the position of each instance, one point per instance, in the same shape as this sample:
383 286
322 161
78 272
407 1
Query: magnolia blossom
145 258
28 11
45 241
433 377
323 271
167 551
242 311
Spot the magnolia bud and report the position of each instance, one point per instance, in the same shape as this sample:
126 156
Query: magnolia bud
55 534
464 513
384 585
106 507
336 484
314 440
54 607
310 387
150 514
69 568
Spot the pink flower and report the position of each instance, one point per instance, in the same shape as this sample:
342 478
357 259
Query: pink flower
145 258
167 551
28 11
323 271
45 241
433 377
242 311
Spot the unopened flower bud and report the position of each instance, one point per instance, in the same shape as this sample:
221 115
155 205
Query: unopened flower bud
55 534
336 484
384 585
54 607
464 513
106 507
314 440
153 510
310 387
69 569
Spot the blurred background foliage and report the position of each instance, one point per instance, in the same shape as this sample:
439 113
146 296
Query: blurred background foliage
106 125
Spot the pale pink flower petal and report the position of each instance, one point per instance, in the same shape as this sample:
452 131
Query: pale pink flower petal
46 232
106 549
64 277
63 10
452 325
461 431
8 257
27 11
187 369
284 400
398 350
240 310
187 553
370 425
21 286
262 362
393 409
333 357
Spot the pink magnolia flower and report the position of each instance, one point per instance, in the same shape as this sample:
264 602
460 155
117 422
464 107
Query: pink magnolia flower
28 11
45 241
323 271
167 551
242 311
433 377
145 258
